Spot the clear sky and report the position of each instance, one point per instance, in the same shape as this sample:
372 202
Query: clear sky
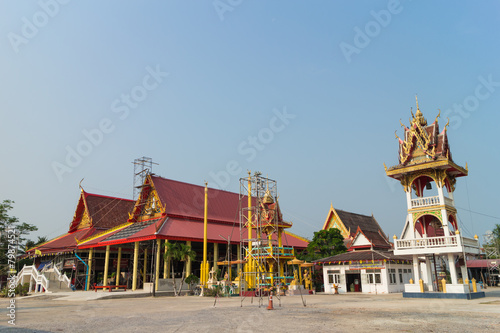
309 93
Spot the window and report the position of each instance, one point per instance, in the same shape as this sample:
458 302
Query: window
374 277
392 276
400 271
333 276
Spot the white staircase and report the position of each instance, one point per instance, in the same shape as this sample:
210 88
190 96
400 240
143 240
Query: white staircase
30 275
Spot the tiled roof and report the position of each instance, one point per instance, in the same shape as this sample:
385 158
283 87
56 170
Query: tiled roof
105 212
353 220
108 212
364 255
187 200
63 243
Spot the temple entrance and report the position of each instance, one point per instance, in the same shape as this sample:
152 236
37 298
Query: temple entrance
353 281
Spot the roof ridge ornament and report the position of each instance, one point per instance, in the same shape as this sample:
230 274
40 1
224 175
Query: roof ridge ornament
438 116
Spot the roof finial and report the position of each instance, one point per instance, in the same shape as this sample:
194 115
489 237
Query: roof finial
80 185
416 99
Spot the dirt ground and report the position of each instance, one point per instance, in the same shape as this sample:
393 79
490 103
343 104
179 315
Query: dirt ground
322 313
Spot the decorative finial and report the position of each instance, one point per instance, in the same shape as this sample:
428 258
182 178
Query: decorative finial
466 166
80 185
439 115
385 167
394 237
416 99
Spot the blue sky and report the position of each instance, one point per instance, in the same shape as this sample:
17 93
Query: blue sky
307 92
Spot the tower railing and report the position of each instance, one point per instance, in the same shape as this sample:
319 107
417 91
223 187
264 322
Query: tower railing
428 242
430 201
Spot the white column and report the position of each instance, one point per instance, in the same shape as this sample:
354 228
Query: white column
408 199
428 275
465 276
453 270
416 269
444 214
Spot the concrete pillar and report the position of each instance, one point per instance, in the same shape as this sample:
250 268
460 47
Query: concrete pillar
145 267
408 199
463 270
453 269
91 252
216 255
157 268
136 259
416 268
106 267
428 274
118 266
444 214
188 263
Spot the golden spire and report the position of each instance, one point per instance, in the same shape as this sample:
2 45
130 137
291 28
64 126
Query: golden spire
419 116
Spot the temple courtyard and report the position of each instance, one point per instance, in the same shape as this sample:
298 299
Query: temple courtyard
126 312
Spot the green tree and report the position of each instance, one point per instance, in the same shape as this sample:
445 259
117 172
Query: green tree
325 243
12 235
179 252
494 243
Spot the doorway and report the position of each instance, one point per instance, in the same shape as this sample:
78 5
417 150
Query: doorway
353 281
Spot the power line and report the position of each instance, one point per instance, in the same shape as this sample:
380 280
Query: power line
490 216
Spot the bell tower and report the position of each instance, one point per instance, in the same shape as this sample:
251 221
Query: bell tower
431 234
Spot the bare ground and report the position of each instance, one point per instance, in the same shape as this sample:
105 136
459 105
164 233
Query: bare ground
322 313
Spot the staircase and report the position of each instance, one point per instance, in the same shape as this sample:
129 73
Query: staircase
40 281
30 275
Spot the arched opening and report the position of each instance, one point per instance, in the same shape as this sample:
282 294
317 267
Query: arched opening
424 186
429 225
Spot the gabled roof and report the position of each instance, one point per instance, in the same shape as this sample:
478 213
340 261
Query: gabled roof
104 212
351 222
424 146
60 244
187 200
181 216
368 239
365 255
97 212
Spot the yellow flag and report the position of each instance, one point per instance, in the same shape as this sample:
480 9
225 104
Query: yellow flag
38 252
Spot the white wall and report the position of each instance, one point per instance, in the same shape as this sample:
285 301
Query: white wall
379 288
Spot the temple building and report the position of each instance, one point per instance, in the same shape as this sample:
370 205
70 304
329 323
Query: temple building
431 233
123 240
369 265
93 214
351 225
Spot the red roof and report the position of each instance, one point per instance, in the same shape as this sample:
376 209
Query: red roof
173 228
483 263
188 200
105 212
184 214
63 243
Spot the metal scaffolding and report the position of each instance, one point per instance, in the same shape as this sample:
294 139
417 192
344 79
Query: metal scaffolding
261 228
142 167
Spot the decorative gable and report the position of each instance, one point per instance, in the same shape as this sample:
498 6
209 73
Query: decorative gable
148 204
360 240
333 221
81 218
